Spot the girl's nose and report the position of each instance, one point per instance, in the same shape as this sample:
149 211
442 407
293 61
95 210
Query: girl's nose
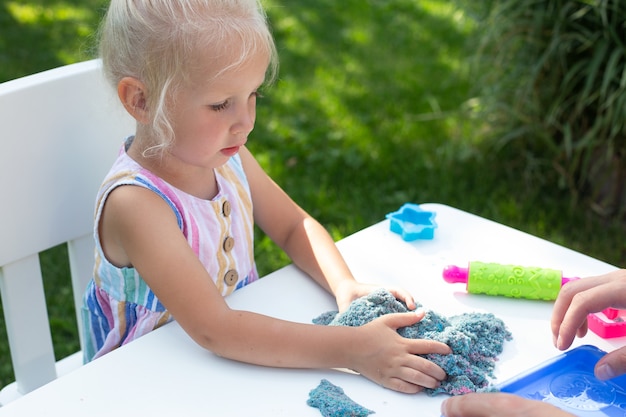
245 119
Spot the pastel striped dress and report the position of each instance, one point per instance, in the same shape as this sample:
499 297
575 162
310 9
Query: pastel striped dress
118 306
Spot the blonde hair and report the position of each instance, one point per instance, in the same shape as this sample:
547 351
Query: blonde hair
159 41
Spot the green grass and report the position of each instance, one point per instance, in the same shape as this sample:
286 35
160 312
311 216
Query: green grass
372 109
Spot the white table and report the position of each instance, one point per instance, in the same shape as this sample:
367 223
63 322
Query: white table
166 373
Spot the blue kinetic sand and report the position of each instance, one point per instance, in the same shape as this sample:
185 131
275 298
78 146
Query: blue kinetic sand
567 381
412 223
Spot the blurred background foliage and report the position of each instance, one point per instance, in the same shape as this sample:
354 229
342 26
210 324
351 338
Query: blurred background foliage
552 86
510 110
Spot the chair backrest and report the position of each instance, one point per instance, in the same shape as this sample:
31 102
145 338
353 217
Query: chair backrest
60 131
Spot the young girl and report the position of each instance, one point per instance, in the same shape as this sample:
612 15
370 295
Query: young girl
174 216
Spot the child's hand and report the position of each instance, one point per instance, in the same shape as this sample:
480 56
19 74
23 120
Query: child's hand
349 291
391 360
496 405
579 298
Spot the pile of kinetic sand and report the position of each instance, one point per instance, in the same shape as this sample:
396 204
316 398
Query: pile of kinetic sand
333 402
476 339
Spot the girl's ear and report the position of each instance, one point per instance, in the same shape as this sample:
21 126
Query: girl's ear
132 94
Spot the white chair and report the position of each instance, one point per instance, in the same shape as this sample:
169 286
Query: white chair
60 131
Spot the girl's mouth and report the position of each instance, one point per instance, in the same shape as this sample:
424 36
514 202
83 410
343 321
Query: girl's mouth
231 151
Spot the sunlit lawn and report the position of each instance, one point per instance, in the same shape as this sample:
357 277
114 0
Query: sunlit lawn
371 110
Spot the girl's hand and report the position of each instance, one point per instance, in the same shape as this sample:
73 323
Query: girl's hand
391 360
349 290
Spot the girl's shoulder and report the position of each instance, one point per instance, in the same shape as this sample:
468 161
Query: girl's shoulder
126 171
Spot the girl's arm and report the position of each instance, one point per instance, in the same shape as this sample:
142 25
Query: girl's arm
304 239
140 230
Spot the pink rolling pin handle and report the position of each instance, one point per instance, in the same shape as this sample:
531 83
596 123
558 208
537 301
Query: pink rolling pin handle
565 280
455 274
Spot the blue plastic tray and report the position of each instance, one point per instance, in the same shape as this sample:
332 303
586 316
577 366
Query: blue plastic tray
567 381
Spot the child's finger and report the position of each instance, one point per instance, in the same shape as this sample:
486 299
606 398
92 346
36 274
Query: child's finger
405 296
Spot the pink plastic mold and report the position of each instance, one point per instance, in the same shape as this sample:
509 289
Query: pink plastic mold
608 324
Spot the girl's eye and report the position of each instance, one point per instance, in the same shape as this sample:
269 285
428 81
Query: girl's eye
225 104
220 106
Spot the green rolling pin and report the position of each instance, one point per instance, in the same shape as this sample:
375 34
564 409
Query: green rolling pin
508 280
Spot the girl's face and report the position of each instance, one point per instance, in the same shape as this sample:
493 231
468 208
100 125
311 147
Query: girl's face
212 119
